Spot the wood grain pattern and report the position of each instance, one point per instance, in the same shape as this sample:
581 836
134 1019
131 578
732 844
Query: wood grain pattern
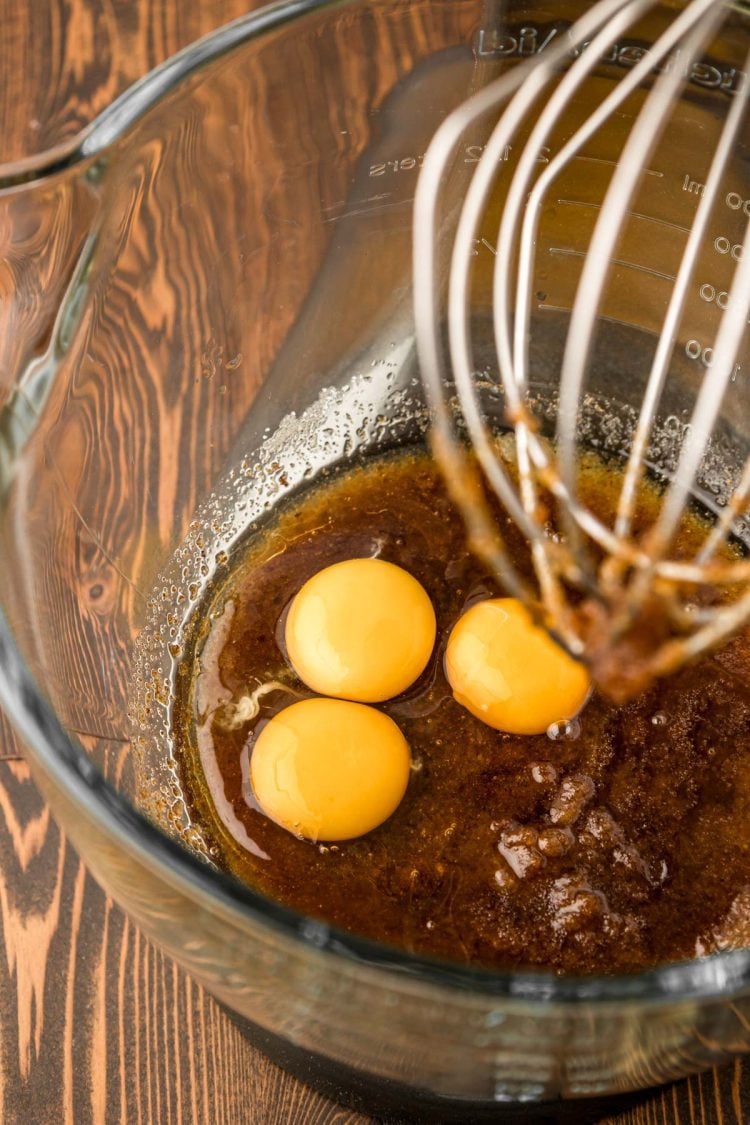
95 1025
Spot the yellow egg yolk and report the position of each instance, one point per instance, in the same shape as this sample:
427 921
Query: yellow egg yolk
362 629
329 769
509 673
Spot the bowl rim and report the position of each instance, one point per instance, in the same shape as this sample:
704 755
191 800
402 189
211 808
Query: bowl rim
65 761
123 112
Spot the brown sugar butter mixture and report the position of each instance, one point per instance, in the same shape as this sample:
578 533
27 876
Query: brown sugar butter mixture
621 844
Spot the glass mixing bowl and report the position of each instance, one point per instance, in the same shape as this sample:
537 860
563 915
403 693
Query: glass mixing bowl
206 298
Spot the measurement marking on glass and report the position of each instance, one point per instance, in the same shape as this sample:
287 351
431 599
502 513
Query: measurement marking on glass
633 214
374 207
569 253
613 164
566 309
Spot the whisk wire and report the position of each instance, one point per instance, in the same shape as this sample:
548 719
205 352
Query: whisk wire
722 529
426 296
512 354
702 16
634 568
708 403
571 81
659 367
426 316
615 17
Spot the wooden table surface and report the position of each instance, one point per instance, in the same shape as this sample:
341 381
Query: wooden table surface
95 1024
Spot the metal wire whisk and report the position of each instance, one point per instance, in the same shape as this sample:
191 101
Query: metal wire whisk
605 612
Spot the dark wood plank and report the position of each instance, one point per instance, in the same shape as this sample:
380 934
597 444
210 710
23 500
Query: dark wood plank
96 1025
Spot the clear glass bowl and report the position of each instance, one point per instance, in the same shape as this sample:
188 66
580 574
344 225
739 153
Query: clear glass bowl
206 297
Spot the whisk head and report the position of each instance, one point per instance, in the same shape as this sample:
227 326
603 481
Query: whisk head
619 595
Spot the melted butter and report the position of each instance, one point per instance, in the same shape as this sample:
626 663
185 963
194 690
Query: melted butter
621 848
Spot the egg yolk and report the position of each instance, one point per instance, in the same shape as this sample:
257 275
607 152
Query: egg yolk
328 769
362 629
509 673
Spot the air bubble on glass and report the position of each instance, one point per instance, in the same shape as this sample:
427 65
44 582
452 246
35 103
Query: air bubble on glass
659 719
